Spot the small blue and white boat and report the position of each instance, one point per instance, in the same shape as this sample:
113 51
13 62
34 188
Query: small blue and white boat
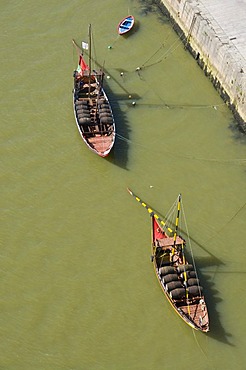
126 25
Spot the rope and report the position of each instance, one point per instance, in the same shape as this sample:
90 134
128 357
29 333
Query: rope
142 66
194 334
189 241
164 56
145 148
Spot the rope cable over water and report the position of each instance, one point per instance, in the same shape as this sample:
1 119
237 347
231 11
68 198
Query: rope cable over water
164 56
143 65
199 346
237 161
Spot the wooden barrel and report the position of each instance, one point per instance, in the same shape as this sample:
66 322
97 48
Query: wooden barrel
195 290
182 268
169 277
178 293
174 285
166 270
193 282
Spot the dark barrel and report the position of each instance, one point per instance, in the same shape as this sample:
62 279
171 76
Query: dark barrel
178 293
174 285
170 277
195 290
166 270
193 282
189 274
182 268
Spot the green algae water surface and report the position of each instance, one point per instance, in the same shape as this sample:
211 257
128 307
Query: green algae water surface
78 291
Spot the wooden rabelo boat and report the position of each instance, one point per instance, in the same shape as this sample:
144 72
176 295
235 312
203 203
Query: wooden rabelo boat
92 110
177 277
126 25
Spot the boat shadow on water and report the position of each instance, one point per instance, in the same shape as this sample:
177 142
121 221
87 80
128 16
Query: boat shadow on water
212 295
132 32
119 154
191 292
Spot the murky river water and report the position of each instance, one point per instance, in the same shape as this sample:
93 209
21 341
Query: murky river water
78 290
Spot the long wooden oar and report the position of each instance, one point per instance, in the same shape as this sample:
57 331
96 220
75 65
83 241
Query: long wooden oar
150 210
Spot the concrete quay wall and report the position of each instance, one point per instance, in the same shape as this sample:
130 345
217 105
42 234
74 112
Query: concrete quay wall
214 51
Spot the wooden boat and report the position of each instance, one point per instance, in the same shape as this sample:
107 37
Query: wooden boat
177 277
92 109
126 25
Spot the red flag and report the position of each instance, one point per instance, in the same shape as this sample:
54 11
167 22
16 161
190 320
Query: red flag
83 65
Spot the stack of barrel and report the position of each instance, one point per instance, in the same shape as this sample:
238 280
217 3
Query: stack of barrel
104 111
191 280
175 282
83 112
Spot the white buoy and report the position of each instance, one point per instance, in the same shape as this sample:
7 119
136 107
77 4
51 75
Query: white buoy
108 77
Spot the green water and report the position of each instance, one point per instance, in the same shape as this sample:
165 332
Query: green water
78 291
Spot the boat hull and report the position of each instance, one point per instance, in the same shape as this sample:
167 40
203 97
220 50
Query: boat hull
96 123
126 25
192 309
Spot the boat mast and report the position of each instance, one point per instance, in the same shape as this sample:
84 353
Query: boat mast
176 224
153 238
89 92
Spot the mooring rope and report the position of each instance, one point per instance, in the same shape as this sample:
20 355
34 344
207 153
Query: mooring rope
145 148
164 56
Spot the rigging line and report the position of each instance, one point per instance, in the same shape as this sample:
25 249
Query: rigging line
160 220
188 236
191 251
192 255
165 55
123 138
232 218
172 106
237 213
162 45
93 45
152 56
114 42
177 106
101 66
239 161
184 106
151 211
222 161
171 46
201 349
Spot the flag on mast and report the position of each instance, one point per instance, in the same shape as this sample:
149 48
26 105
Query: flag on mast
82 65
85 45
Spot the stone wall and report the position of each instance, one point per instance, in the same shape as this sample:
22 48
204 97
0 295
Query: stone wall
214 52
